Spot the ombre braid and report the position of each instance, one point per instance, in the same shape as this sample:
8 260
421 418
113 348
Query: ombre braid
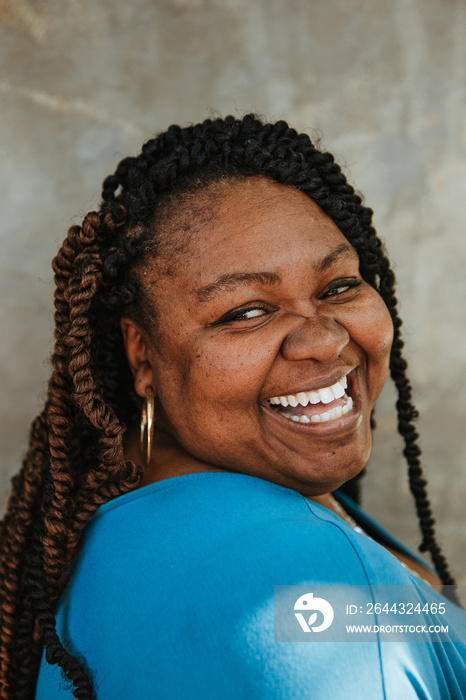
75 462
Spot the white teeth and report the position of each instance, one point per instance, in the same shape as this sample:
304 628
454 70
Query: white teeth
326 395
303 398
333 414
337 390
295 418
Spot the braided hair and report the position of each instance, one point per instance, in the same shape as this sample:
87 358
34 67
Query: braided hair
75 462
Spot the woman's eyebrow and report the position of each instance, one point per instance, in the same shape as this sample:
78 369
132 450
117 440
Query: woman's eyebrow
236 279
344 249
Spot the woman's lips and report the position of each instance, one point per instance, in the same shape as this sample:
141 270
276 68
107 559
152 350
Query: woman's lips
316 409
325 394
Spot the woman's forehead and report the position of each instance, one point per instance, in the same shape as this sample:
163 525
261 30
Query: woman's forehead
246 226
229 208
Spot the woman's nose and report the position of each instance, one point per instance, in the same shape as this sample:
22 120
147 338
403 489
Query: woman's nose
317 337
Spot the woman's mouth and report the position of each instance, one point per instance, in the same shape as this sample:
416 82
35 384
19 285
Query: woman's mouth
318 406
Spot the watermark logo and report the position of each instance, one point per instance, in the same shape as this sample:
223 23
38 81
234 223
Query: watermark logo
313 612
308 603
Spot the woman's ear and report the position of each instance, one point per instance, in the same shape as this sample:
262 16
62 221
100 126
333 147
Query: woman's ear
138 359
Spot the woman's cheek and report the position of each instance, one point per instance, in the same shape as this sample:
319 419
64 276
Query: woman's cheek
248 353
378 326
386 330
379 356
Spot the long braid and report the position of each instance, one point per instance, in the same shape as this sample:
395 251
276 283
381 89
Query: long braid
66 497
16 530
109 478
76 459
21 513
406 416
50 556
26 504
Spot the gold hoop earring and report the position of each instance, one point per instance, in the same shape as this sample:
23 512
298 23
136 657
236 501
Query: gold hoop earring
147 424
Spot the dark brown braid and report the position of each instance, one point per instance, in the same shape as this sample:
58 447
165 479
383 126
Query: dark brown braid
75 461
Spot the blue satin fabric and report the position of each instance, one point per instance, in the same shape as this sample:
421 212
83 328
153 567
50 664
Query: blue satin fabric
172 597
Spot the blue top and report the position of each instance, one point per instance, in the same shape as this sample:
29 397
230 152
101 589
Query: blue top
172 597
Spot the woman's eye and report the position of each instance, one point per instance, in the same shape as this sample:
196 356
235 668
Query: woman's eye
341 287
242 315
250 313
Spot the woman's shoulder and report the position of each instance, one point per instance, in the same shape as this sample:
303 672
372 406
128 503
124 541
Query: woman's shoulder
208 507
173 593
229 521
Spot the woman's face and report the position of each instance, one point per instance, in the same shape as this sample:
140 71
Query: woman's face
261 314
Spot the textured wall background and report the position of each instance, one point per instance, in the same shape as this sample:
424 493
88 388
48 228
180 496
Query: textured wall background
84 82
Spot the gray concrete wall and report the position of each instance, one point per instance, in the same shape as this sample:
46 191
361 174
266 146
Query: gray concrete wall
84 82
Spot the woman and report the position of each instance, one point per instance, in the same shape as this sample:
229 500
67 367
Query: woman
224 325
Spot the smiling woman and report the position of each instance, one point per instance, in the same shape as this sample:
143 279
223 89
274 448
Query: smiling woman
224 326
240 340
